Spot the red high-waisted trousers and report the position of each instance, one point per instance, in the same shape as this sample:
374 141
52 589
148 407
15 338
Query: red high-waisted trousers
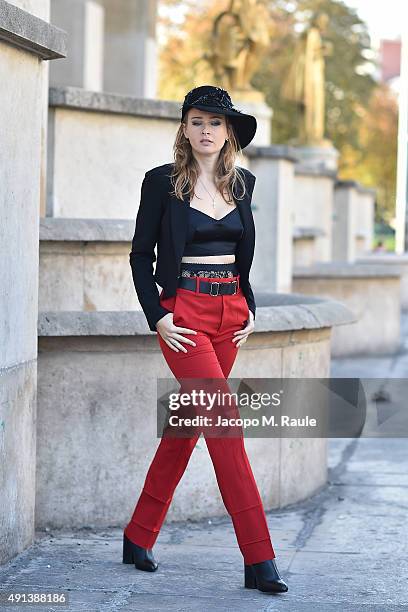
215 318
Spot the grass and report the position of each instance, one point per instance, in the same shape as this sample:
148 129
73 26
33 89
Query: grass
388 241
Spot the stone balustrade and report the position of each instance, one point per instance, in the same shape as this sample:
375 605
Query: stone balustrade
96 420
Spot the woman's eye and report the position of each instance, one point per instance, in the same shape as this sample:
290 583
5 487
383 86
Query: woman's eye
213 123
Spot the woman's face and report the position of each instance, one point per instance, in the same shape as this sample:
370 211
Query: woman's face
206 131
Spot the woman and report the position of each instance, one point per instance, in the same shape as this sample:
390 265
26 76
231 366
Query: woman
198 212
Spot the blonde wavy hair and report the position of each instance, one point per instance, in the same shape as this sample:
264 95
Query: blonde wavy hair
186 168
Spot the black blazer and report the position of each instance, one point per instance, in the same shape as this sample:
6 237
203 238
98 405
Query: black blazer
162 219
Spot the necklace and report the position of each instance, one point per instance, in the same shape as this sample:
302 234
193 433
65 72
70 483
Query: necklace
213 198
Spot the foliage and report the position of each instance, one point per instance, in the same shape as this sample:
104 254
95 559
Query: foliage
373 162
354 100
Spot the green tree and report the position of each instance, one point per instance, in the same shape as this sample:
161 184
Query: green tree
348 80
350 85
373 163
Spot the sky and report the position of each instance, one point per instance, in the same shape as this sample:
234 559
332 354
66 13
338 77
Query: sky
384 18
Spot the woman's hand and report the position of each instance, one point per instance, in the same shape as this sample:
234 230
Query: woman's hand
171 334
242 334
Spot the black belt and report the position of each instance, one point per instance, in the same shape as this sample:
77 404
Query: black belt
211 287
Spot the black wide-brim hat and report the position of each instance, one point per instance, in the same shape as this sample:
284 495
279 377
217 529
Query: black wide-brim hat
217 100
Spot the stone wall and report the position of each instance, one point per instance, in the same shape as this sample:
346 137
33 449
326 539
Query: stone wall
27 41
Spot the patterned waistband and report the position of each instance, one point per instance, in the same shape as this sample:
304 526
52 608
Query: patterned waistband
226 270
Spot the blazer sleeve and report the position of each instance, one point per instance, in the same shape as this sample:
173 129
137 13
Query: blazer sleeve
142 255
249 294
250 299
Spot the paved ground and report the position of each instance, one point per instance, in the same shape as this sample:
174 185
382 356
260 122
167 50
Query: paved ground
344 549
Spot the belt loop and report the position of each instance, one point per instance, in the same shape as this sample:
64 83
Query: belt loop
197 287
238 285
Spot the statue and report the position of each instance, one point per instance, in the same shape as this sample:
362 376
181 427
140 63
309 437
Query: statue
305 80
240 36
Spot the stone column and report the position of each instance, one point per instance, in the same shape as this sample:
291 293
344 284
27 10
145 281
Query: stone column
318 158
38 8
26 39
401 234
352 226
272 204
83 20
313 216
130 47
365 220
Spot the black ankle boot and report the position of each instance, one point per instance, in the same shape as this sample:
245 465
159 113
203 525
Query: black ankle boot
265 577
142 557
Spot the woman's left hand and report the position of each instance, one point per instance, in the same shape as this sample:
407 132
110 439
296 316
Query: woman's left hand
241 335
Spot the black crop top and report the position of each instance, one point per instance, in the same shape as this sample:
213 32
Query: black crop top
209 236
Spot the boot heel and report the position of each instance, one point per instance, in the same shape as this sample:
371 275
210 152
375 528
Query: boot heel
250 579
127 550
143 558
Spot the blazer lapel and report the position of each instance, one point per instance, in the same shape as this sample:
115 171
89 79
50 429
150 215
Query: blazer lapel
179 224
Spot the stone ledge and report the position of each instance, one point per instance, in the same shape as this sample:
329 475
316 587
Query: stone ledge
302 169
86 230
24 31
278 312
275 313
345 270
83 99
307 232
272 152
384 258
354 185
